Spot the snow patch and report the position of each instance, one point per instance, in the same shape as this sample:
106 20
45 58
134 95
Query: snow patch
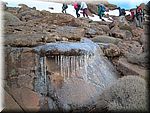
57 8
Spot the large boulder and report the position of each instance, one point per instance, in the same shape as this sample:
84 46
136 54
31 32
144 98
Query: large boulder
123 34
144 41
140 59
28 40
130 47
58 19
127 94
106 39
126 68
137 32
112 51
19 61
10 19
93 8
69 32
26 98
10 103
23 7
56 81
29 15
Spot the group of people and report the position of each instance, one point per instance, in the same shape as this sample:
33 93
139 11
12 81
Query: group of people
77 6
83 6
137 16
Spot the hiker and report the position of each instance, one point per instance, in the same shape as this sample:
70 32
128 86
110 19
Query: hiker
83 7
77 8
101 10
139 16
122 14
64 7
132 14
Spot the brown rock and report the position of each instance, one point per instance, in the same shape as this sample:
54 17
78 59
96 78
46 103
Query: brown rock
137 32
145 42
130 69
112 51
123 34
106 39
28 40
10 19
10 103
129 93
130 46
71 33
26 81
19 61
140 59
26 98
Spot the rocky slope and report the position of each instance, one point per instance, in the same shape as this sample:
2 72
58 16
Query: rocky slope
123 44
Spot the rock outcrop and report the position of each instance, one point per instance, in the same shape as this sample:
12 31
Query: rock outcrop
128 94
50 65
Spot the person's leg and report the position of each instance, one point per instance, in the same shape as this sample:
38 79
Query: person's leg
86 13
83 12
140 21
62 10
100 15
78 15
78 11
137 21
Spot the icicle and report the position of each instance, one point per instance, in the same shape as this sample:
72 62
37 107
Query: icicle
61 65
44 67
71 65
68 67
55 57
58 60
64 66
85 68
41 66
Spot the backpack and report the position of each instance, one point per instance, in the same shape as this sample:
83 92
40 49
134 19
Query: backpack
139 10
123 12
65 6
103 9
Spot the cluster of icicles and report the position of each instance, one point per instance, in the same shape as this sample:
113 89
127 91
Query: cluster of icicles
69 66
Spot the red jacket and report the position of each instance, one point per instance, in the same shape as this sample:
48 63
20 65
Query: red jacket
75 5
139 10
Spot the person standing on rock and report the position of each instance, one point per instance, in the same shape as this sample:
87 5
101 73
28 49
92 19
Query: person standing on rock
101 10
64 7
77 8
122 14
139 16
132 14
84 8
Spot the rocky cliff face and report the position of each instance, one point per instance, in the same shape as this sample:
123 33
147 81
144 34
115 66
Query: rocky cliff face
50 66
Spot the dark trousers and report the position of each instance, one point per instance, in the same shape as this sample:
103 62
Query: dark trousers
77 10
85 12
64 10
